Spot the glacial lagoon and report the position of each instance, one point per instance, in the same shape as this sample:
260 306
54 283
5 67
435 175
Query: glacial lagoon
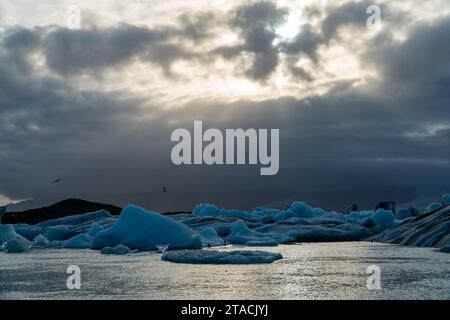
336 270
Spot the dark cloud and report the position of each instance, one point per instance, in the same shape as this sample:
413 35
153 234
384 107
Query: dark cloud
256 25
349 14
386 140
18 45
423 58
199 26
306 42
73 51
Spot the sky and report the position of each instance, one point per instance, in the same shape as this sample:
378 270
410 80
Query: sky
363 109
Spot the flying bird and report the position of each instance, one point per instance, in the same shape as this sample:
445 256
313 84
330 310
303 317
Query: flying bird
57 180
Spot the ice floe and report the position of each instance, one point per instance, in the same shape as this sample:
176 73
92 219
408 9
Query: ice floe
221 257
117 250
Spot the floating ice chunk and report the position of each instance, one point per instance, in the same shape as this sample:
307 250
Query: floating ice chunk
432 206
62 232
302 210
217 257
241 234
404 213
262 243
17 245
95 228
210 238
383 219
76 219
137 228
429 230
446 199
27 231
317 233
211 210
56 244
284 215
40 242
80 241
8 233
118 250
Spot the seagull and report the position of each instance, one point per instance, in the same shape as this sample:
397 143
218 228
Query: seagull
164 189
57 180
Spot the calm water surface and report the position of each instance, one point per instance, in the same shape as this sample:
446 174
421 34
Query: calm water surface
308 271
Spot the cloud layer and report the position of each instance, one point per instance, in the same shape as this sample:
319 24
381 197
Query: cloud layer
363 114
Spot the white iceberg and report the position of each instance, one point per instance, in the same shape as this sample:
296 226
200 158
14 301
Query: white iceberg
139 229
221 257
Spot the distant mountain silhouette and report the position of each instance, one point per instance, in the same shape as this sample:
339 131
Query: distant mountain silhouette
58 210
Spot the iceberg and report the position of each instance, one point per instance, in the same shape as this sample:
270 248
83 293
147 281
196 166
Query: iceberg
211 226
62 232
17 245
405 213
76 219
117 250
446 199
139 229
40 242
211 210
7 233
80 241
28 231
428 230
432 206
240 233
302 210
210 238
220 257
95 228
